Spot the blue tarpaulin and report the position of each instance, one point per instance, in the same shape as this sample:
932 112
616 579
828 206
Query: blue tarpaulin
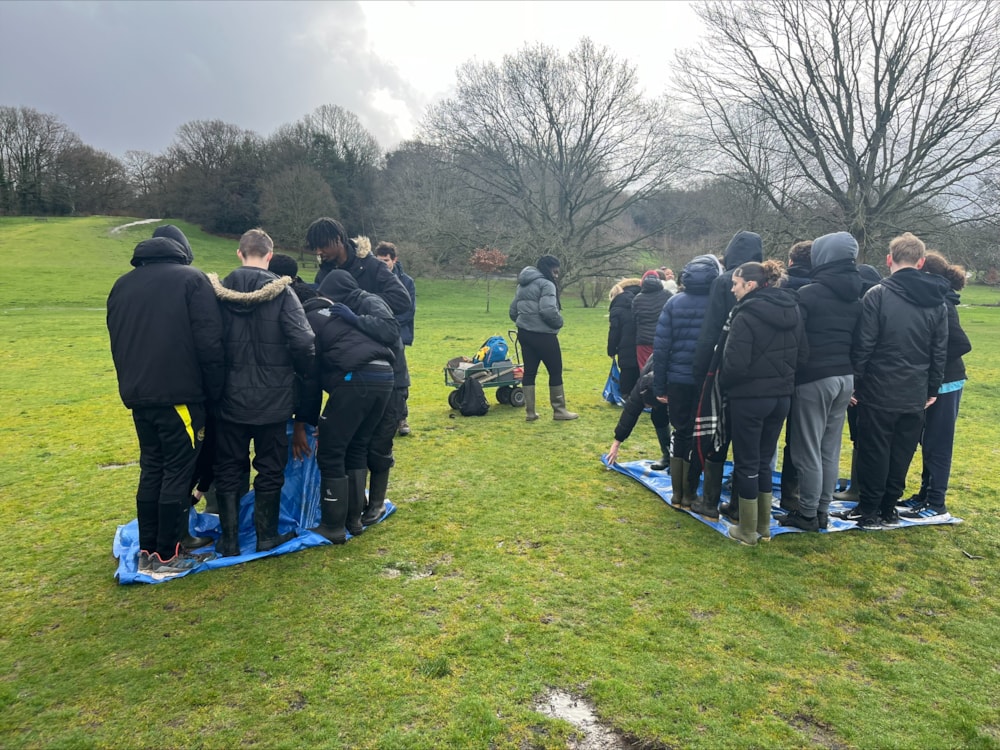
659 482
299 511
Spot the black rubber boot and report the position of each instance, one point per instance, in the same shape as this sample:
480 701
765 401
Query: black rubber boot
663 436
266 511
377 487
357 481
229 520
678 483
184 536
333 509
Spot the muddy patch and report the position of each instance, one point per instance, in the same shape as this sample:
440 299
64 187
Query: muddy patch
593 734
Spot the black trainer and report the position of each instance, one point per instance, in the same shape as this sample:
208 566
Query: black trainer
796 520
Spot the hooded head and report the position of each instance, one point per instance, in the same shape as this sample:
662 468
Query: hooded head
338 285
549 267
160 250
283 265
744 247
699 273
869 276
833 247
171 232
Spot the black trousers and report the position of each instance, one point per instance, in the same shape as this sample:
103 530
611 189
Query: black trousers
170 439
232 462
627 378
538 348
886 442
346 427
756 424
380 457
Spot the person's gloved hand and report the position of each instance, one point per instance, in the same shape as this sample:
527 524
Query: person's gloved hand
342 311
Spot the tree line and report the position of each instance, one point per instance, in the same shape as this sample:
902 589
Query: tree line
790 118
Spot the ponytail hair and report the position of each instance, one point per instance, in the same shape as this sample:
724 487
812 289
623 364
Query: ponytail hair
768 273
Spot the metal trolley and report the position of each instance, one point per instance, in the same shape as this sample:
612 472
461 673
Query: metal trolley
505 376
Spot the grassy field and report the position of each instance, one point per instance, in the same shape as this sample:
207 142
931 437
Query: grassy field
516 564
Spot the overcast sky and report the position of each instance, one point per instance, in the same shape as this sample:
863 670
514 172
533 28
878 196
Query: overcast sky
126 75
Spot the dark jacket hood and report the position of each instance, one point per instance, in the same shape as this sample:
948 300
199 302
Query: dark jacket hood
841 277
246 287
831 247
743 248
698 275
341 286
917 288
869 277
775 306
651 283
175 234
159 250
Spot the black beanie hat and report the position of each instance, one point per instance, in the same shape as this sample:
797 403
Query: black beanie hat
283 265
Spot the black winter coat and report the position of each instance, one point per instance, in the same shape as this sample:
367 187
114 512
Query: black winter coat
636 402
743 248
166 330
343 347
830 307
900 349
268 342
372 275
646 309
766 343
621 327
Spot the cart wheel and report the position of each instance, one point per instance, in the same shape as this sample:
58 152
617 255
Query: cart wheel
453 399
503 394
516 397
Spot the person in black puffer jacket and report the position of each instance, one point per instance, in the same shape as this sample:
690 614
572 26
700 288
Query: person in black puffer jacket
899 355
357 339
640 397
766 344
166 343
621 332
268 342
938 438
830 307
646 309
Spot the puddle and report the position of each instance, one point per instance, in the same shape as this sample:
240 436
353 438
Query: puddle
581 714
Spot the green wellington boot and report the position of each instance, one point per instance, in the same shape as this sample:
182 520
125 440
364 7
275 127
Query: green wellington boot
746 531
764 501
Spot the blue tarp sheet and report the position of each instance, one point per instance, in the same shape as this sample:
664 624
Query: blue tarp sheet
659 482
299 511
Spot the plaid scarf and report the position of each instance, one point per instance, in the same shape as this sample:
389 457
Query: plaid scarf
711 431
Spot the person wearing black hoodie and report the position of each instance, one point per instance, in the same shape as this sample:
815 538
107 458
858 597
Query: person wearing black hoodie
744 247
357 341
646 309
938 439
268 342
166 343
765 346
899 356
830 308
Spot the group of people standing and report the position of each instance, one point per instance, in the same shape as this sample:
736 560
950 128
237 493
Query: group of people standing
748 346
209 367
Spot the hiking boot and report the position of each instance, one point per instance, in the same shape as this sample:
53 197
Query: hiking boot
404 428
181 562
797 521
925 514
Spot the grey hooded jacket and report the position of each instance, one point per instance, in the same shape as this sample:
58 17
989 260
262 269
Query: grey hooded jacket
535 306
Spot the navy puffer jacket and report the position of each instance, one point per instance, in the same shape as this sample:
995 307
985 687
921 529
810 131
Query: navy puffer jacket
679 325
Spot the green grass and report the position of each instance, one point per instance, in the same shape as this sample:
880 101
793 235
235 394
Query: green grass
516 563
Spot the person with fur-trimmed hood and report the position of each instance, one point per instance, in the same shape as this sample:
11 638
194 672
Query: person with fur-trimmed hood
166 343
268 341
621 332
676 338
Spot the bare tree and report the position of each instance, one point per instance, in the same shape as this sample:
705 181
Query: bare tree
563 146
291 200
31 143
876 112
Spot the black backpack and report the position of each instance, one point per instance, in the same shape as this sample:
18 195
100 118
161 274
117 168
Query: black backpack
472 398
